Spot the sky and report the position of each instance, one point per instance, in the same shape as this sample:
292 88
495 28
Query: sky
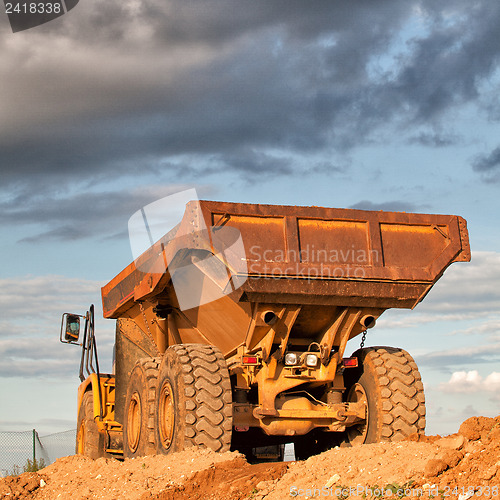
378 105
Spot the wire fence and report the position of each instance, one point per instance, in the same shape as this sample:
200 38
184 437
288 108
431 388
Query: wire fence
17 449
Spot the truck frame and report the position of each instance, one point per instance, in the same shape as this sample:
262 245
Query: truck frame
263 364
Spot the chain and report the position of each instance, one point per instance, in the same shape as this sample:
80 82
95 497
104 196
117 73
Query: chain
363 338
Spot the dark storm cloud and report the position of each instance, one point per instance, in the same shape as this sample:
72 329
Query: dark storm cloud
258 163
445 68
80 215
488 164
214 22
133 88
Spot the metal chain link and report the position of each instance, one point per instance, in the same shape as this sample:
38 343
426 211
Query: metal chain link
363 338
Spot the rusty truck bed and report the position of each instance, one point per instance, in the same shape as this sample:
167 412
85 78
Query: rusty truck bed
308 255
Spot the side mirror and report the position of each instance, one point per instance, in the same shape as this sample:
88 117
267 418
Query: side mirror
70 328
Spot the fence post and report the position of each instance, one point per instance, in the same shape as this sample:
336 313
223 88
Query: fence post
34 442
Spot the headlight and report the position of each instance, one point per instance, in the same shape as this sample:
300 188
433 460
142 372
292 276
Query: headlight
311 360
291 358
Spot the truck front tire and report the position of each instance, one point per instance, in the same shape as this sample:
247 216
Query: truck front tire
194 404
389 382
89 441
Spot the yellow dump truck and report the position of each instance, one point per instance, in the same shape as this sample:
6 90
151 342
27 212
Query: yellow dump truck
232 328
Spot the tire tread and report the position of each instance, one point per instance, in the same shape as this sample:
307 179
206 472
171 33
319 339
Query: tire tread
401 391
207 391
94 440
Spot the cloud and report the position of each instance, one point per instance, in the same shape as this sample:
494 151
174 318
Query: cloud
471 287
492 382
445 67
390 206
488 165
35 367
71 216
489 328
462 309
471 382
49 426
47 358
463 382
436 140
134 89
463 356
35 297
466 291
258 163
31 308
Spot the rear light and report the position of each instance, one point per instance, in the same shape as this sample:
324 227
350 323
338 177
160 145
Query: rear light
350 362
241 428
291 358
250 360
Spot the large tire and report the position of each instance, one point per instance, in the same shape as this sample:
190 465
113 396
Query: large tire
389 381
89 441
138 420
194 403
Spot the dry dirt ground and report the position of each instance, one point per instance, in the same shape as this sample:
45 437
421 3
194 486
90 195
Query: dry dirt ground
459 466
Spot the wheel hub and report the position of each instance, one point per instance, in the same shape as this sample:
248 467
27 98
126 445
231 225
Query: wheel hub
134 422
166 414
357 433
81 439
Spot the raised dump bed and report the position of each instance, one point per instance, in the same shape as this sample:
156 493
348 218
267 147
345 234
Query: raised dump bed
321 259
270 295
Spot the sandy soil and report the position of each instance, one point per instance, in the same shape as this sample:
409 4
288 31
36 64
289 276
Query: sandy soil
452 467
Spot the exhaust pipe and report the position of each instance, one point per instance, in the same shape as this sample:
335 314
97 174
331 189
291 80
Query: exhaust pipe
367 321
268 317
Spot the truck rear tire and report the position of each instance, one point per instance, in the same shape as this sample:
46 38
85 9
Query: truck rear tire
389 382
138 421
89 441
194 402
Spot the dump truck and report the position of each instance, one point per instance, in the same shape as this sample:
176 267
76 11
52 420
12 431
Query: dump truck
231 331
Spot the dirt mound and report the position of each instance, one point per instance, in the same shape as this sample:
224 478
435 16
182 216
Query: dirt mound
451 467
233 480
